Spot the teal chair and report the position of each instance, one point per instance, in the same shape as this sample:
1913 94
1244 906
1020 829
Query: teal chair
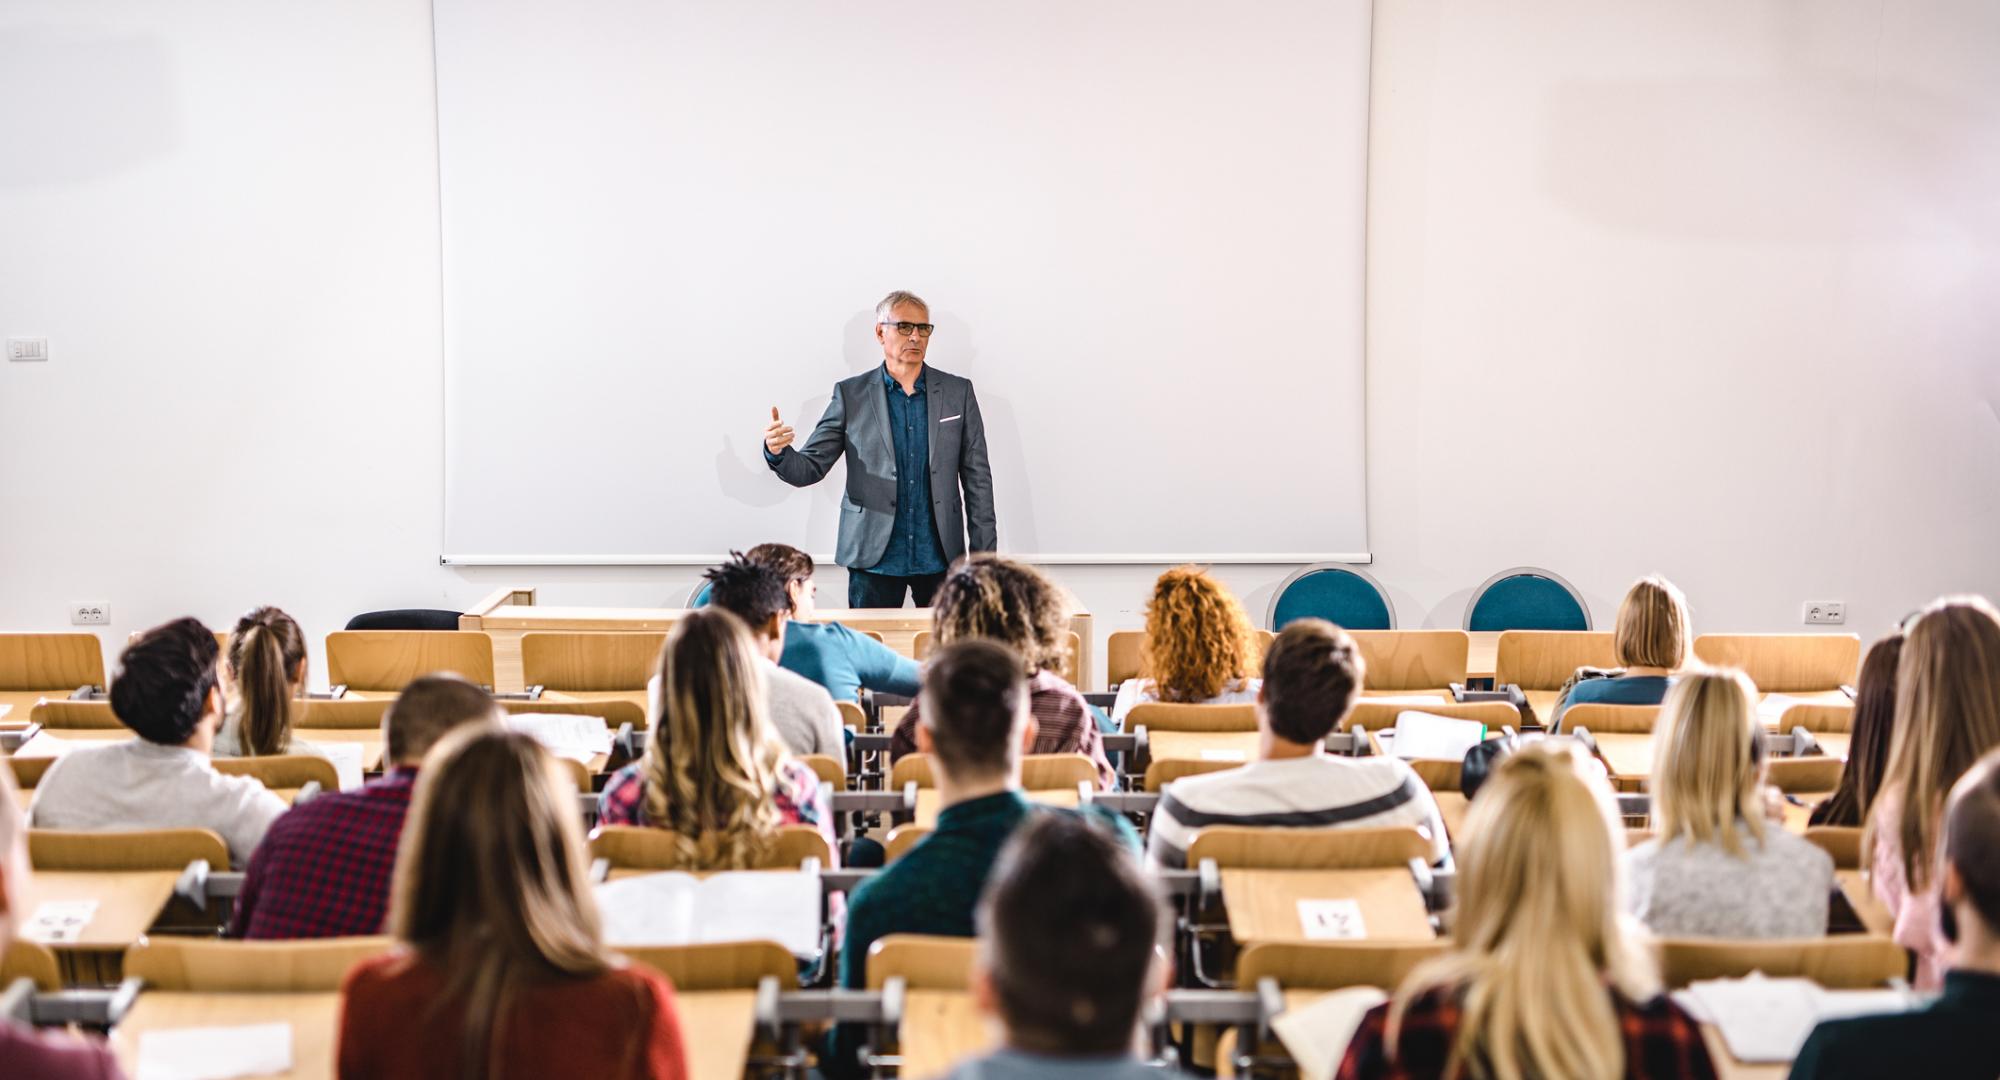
1340 594
1526 598
699 597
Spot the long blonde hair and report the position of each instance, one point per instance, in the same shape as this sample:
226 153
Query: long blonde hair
1708 763
1652 625
491 885
1538 930
1947 715
712 766
1198 638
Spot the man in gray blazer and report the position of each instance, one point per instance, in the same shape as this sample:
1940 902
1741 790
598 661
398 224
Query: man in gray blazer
919 487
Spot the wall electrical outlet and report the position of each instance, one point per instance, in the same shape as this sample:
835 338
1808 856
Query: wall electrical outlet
28 349
1826 612
90 613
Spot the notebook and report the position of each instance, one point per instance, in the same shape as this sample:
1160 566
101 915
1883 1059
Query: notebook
1766 1021
578 738
1425 735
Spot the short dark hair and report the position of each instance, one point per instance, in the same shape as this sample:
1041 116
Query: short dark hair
749 590
1312 673
1972 838
162 681
790 563
1070 927
973 696
431 707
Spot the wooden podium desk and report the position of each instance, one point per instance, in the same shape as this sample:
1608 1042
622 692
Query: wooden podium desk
509 613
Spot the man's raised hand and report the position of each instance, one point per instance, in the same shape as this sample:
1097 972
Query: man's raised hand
777 436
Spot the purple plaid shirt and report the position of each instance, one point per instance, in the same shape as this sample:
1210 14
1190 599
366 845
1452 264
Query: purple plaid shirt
323 869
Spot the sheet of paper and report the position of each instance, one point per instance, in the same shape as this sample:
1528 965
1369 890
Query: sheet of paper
43 745
215 1053
1762 1020
1213 754
1425 735
1404 699
578 737
1331 920
1317 1034
4 710
59 921
672 908
1771 710
346 758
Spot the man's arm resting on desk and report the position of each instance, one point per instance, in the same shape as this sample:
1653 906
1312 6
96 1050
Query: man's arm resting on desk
806 464
975 478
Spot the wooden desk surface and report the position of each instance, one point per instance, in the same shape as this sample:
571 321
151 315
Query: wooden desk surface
23 702
315 1021
1480 657
718 1025
1627 754
1835 743
940 1028
1452 807
1543 702
927 802
127 903
1854 884
1241 746
1264 904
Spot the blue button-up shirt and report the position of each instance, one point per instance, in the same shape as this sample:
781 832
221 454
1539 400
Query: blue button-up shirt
914 547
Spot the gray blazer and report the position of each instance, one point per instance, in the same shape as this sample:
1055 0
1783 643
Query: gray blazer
856 423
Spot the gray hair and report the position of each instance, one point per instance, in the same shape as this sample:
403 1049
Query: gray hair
898 297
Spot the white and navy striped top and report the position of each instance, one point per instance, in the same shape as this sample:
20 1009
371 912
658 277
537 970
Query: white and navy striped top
1309 792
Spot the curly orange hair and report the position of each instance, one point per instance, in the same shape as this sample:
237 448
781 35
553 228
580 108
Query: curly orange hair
1198 638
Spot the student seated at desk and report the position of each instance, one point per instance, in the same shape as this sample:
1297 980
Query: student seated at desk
165 690
1947 716
997 599
1868 750
1651 644
840 658
1952 1037
1716 866
714 772
1072 946
1199 647
1544 977
976 725
265 668
323 869
800 711
502 970
1312 675
24 1051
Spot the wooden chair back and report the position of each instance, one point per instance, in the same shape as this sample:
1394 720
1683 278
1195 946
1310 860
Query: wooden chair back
1308 849
195 965
829 770
28 772
1813 774
60 716
587 662
613 712
1545 659
283 772
28 960
901 839
1785 663
343 714
1813 717
50 662
1039 772
642 847
729 965
1841 842
1839 962
1611 719
1438 774
142 849
1173 716
1380 717
387 660
851 715
1165 771
1412 659
920 649
1334 965
922 961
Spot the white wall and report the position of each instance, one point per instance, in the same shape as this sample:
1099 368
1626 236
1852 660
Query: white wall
1765 234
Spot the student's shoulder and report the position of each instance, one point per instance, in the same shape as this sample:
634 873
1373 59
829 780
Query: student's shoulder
28 1052
792 686
1911 1043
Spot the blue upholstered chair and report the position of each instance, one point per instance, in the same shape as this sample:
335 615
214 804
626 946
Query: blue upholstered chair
699 597
1526 598
1340 594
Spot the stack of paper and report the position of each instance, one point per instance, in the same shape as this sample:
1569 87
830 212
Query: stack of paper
673 908
216 1053
346 758
1426 735
1766 1020
564 734
1317 1034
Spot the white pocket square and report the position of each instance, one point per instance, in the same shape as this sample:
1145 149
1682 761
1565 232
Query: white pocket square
949 419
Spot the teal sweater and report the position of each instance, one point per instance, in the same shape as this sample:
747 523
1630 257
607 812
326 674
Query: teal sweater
845 660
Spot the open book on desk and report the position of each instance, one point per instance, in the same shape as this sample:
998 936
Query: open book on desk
1765 1020
674 908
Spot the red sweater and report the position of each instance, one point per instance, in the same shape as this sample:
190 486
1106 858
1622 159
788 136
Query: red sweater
618 1026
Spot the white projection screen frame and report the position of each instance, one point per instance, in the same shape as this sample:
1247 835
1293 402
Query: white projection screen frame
1140 225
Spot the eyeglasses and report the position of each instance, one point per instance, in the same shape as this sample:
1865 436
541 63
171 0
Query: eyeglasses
920 329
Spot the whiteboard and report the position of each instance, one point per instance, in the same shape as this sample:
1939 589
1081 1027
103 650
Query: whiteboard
1139 224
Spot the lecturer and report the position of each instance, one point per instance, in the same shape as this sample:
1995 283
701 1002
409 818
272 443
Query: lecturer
914 442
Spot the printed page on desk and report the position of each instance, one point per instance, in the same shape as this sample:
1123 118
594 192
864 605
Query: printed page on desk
1765 1020
704 227
672 908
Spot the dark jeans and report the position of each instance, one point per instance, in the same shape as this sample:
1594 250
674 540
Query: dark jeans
866 590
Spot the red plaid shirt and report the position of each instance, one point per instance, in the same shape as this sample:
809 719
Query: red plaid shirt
1661 1041
323 868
